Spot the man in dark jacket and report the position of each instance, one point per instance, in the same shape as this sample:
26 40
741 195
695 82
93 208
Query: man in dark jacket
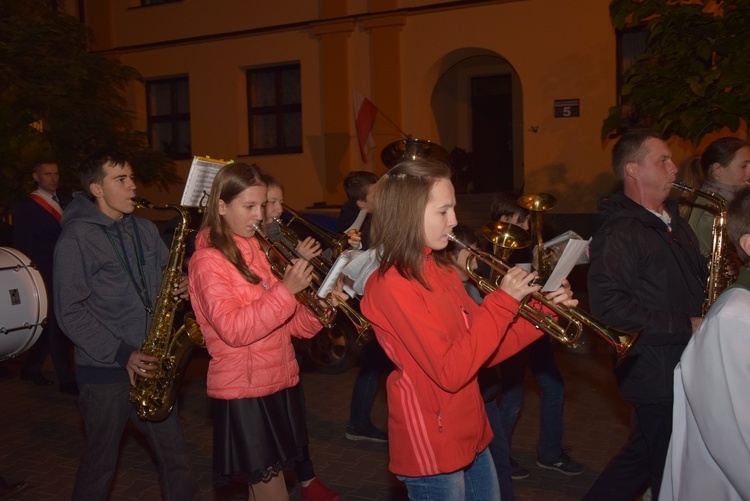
646 275
36 228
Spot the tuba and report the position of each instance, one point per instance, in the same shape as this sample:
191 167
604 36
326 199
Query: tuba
568 326
718 279
155 397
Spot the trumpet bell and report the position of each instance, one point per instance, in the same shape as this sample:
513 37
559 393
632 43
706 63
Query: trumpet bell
412 149
506 235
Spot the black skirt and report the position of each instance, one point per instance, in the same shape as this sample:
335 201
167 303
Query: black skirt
258 437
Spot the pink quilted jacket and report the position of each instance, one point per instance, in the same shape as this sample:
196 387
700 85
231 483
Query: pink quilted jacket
247 327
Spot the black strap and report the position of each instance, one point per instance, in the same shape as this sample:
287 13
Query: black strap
142 290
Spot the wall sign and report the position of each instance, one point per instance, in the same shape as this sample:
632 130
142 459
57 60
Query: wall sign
566 108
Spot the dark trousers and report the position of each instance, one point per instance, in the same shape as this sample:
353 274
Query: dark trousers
538 356
374 364
500 451
640 460
52 341
304 466
106 410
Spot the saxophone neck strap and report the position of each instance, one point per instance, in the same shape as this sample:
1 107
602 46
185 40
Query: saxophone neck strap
141 289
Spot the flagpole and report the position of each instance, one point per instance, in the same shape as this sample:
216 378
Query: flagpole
393 123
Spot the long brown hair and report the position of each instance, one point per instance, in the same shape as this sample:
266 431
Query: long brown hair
230 181
698 169
398 220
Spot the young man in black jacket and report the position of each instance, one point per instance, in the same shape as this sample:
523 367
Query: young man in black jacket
646 275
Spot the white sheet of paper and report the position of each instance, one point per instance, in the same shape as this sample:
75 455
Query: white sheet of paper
333 274
357 224
570 256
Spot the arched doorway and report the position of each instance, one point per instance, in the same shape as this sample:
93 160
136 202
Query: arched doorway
477 106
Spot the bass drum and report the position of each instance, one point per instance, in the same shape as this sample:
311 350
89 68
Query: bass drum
23 303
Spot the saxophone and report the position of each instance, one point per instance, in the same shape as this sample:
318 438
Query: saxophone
718 279
155 397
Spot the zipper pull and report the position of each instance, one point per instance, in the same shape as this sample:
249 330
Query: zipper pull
465 315
440 422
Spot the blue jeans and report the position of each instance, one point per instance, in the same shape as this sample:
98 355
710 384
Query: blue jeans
541 360
106 410
374 364
476 482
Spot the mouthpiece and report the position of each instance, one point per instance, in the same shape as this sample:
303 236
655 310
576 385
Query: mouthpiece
142 203
453 238
682 186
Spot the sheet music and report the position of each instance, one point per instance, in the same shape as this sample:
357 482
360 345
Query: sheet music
574 249
357 224
199 181
557 244
333 275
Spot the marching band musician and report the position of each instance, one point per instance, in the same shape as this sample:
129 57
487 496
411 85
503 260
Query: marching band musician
311 488
359 186
107 273
709 452
646 274
437 337
308 248
248 316
724 169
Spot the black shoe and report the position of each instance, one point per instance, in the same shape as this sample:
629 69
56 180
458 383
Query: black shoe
369 433
563 464
517 472
70 388
37 378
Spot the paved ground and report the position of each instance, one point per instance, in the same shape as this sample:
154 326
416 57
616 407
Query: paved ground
42 435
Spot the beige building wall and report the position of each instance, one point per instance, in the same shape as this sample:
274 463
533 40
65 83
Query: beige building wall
395 53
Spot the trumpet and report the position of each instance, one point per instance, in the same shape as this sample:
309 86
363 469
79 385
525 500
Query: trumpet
337 243
323 264
280 255
568 326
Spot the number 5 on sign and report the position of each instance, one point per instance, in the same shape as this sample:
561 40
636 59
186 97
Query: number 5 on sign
567 108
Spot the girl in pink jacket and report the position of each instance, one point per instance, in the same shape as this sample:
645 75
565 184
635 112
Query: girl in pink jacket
248 318
438 337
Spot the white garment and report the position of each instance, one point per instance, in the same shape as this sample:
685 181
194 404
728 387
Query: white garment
709 454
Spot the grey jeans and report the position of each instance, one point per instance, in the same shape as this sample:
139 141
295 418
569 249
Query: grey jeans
106 410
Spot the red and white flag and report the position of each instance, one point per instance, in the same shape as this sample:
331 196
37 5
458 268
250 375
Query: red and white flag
364 117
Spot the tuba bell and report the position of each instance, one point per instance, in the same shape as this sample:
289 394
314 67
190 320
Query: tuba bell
537 204
412 149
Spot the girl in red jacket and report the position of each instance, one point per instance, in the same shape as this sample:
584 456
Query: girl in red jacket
438 337
248 317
